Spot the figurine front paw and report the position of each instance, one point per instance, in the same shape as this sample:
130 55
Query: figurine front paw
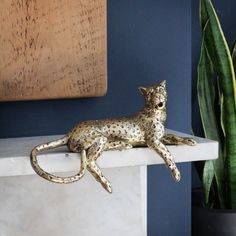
190 141
176 175
128 146
125 146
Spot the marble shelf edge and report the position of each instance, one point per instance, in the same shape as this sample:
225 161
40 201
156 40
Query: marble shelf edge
14 155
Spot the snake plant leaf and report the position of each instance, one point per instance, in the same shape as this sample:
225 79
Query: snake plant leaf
207 179
222 113
206 100
223 64
204 17
206 93
205 73
234 56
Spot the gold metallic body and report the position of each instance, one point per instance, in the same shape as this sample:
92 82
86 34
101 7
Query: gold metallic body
91 138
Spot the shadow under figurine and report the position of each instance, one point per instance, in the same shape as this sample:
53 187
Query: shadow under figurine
91 138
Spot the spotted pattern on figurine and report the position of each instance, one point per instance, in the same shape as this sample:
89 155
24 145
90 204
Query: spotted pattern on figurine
91 138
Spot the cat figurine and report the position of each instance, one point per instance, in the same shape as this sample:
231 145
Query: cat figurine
91 138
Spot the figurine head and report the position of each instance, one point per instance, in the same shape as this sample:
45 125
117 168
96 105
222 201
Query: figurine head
155 96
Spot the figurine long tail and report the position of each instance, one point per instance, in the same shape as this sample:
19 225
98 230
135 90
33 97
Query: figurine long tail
50 177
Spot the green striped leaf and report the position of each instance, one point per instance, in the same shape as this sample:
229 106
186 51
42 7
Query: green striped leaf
234 55
223 64
207 179
206 100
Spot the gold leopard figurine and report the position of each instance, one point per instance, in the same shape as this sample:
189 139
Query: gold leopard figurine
91 138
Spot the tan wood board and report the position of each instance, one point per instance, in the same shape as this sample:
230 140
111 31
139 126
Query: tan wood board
52 49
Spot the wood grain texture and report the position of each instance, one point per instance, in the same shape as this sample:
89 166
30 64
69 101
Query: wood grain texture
52 49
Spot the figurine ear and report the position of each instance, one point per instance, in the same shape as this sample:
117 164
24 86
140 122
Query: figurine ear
143 90
163 84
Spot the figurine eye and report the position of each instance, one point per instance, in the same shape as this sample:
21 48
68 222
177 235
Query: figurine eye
160 104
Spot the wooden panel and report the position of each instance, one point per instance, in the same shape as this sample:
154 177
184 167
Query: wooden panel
52 49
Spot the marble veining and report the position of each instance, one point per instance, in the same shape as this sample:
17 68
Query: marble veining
31 206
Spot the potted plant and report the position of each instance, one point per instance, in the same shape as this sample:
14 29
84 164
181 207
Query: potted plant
216 89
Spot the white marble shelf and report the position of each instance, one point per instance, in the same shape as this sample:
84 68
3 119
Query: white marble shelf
14 155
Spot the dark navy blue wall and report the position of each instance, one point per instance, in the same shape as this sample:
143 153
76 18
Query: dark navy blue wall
226 13
148 41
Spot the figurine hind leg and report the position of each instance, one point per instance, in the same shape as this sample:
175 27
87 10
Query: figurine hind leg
172 139
117 145
93 152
